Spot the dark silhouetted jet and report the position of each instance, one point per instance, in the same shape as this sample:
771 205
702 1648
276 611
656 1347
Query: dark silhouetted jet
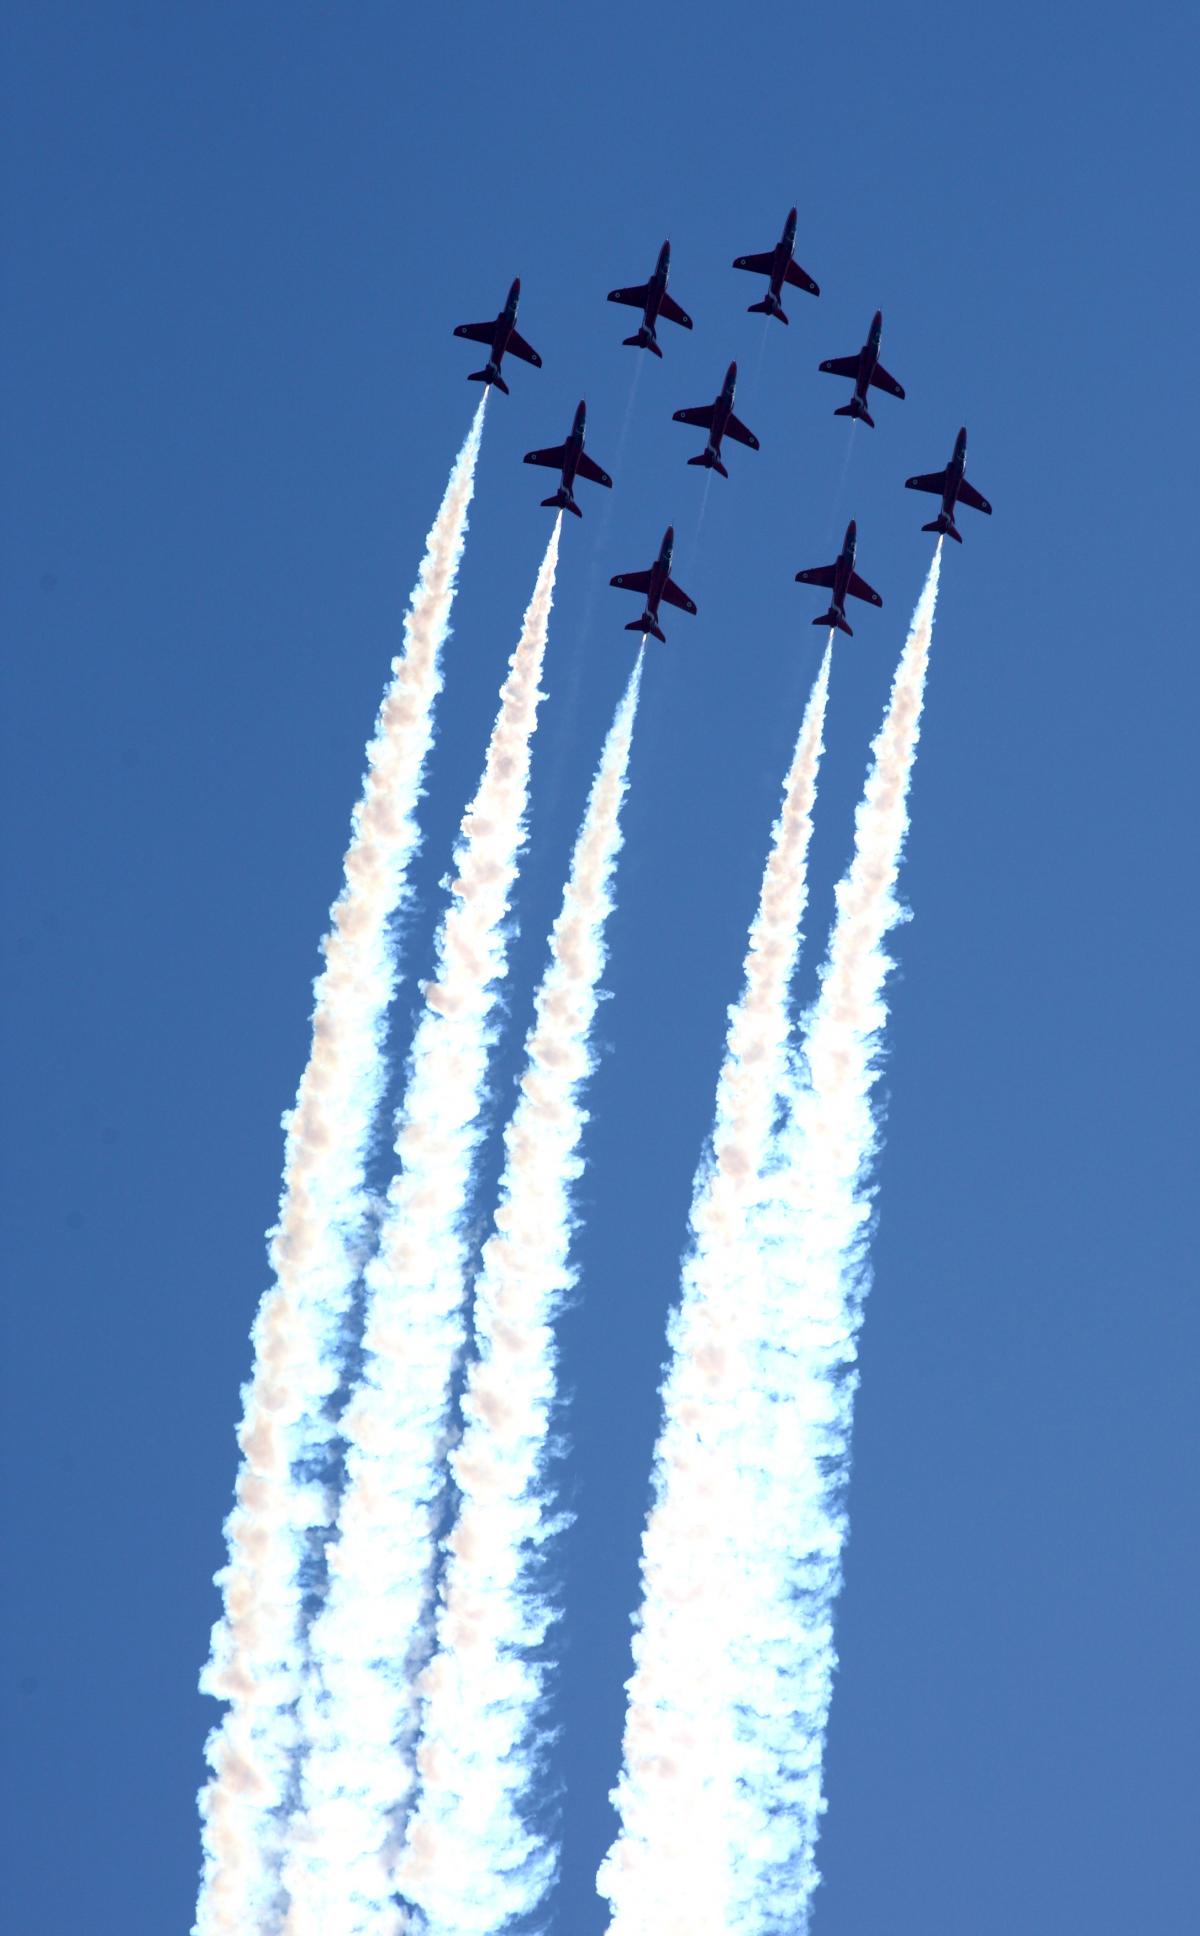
842 580
866 369
719 421
503 335
653 301
952 487
573 461
656 584
777 263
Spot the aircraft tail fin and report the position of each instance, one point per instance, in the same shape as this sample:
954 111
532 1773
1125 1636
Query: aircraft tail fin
708 462
643 339
945 527
769 306
562 501
646 624
490 375
856 409
835 618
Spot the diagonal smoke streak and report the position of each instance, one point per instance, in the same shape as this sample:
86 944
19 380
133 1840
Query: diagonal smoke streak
367 1643
684 1825
472 1865
812 1232
257 1652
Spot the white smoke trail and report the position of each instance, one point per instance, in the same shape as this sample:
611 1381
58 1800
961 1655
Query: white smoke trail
368 1642
472 1866
812 1230
256 1658
684 1825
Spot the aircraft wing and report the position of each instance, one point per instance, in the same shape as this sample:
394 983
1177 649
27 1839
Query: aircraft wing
819 575
476 332
967 494
552 459
674 596
758 265
669 308
881 379
840 366
800 279
932 481
631 581
859 588
589 468
519 347
701 416
735 428
632 298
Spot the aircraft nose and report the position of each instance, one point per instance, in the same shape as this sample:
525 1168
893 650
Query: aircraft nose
851 532
669 535
731 373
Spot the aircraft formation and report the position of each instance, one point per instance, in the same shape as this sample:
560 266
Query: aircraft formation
863 368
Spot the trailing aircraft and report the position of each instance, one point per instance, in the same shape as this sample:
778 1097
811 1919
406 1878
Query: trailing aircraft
719 421
656 584
843 581
952 487
866 369
573 461
503 336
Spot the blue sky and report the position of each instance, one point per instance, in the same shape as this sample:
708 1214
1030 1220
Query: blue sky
238 238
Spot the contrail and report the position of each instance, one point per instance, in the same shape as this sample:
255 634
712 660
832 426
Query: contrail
473 1864
683 1821
812 1231
368 1643
257 1655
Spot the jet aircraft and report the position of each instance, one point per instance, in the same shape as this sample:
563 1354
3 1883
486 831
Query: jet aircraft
842 580
503 335
653 301
866 369
656 584
952 487
573 461
719 421
778 264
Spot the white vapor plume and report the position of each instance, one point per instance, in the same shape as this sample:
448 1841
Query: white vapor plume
684 1823
812 1229
257 1648
473 1865
369 1640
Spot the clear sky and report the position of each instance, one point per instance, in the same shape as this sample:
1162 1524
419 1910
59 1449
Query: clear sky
238 237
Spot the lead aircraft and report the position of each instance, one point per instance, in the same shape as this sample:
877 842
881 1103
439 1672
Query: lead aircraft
653 301
780 267
503 336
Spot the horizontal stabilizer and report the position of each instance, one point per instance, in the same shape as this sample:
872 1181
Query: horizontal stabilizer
646 624
835 619
489 376
858 410
642 341
708 462
562 501
767 307
945 527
